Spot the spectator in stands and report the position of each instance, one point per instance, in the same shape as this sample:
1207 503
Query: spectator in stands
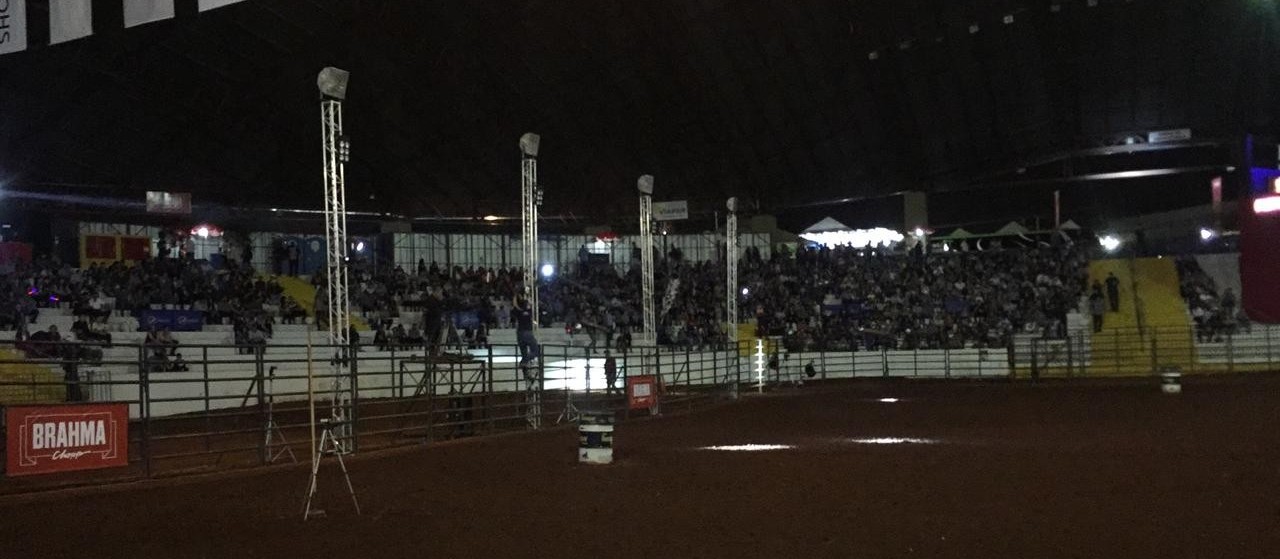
1214 316
166 340
178 365
1097 308
84 332
1113 292
294 255
380 339
256 336
95 308
413 338
353 338
290 311
398 336
44 344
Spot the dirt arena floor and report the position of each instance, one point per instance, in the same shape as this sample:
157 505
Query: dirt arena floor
964 470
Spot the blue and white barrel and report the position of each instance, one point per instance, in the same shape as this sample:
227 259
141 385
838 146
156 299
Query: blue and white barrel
595 437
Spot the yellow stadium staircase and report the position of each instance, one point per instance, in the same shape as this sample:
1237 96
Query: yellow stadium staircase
1151 329
1166 322
300 290
27 383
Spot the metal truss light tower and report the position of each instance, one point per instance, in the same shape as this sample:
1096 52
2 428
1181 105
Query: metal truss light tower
530 199
731 268
336 437
645 186
332 83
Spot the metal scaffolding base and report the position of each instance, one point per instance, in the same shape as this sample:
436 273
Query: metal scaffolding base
329 445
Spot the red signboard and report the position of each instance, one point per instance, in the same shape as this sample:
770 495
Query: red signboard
101 247
642 392
47 439
135 248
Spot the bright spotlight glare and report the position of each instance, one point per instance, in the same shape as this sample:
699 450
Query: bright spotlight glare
360 246
203 232
1270 204
919 232
1110 243
749 447
888 400
548 270
491 218
892 440
746 291
1207 234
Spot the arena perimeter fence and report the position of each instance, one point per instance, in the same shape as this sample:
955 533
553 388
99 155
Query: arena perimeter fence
235 407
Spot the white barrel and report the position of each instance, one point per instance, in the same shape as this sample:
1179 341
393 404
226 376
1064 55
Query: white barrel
595 438
1171 383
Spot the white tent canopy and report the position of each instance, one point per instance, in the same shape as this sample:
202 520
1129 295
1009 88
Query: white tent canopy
1010 229
827 224
959 233
1069 225
832 233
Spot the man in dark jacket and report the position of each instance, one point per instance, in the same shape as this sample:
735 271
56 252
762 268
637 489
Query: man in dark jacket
1113 292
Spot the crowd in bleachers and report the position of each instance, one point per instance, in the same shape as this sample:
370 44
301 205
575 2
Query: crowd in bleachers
233 294
1215 314
817 298
849 299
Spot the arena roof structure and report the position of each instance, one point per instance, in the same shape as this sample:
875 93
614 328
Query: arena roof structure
779 103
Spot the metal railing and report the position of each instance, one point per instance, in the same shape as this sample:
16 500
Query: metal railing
1233 348
232 406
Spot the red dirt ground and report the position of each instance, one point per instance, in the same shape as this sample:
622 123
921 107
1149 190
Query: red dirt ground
1018 470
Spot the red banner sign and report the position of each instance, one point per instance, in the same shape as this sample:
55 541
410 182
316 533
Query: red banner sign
642 392
47 439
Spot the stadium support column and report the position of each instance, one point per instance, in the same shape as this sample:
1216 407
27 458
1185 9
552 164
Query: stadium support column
645 186
731 269
336 150
530 199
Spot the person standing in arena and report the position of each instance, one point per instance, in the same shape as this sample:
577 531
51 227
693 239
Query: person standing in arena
522 315
610 372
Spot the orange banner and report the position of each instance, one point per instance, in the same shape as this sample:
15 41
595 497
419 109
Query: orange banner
65 438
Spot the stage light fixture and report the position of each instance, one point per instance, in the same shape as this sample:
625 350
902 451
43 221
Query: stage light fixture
529 144
645 185
332 82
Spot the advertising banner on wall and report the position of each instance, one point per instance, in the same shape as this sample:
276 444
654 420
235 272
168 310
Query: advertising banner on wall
65 438
168 202
176 321
13 26
642 392
671 211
